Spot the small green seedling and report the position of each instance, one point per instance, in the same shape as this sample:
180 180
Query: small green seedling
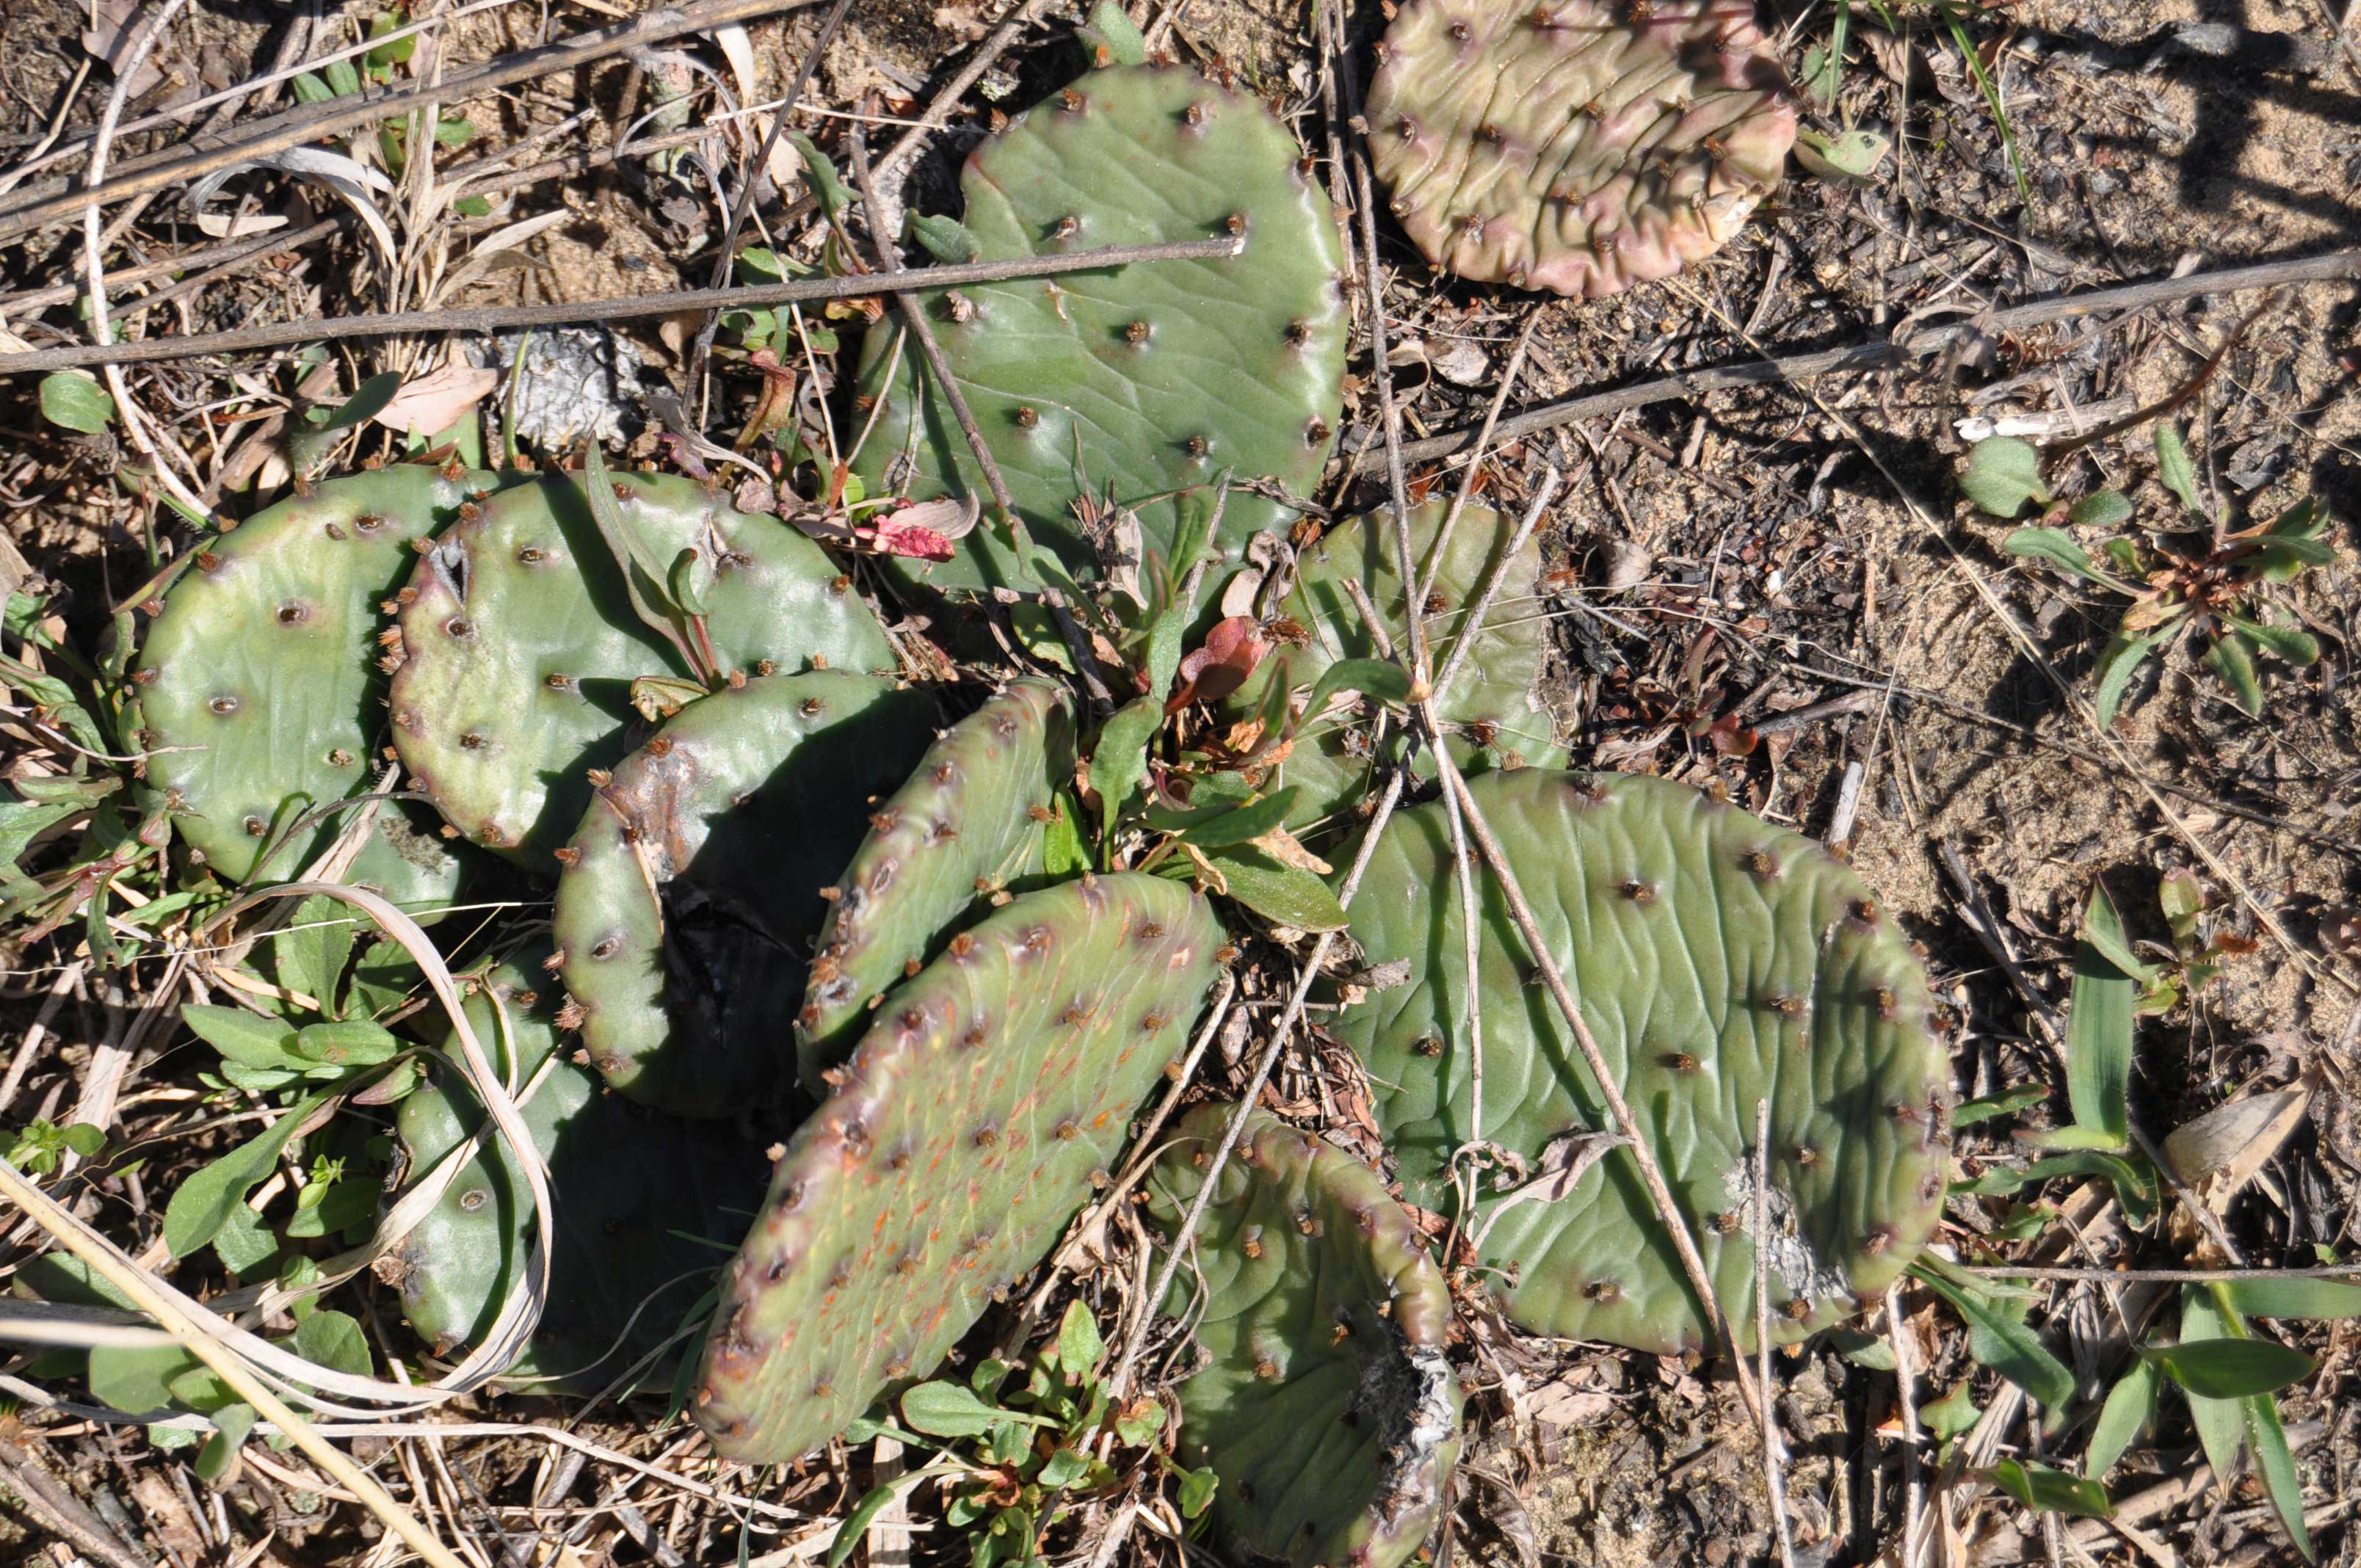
2210 588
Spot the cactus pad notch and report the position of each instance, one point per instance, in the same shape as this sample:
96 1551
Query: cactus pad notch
1718 960
691 888
1574 145
1489 714
258 690
971 815
630 1190
520 642
1127 385
1324 1403
969 1125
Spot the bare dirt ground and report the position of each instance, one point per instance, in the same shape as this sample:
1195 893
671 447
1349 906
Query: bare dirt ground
1762 588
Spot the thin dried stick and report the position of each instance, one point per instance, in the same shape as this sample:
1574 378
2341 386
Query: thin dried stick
493 318
211 256
297 126
139 1285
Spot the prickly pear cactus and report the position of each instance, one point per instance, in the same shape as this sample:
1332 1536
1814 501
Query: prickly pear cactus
969 1125
1490 708
970 818
1575 144
519 641
258 693
1718 960
691 889
1321 1398
632 1190
1127 385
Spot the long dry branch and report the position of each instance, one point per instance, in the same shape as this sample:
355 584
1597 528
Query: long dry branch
1883 355
491 318
55 200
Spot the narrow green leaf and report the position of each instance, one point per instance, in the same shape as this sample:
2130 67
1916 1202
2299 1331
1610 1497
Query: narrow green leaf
2229 659
2283 560
356 1044
201 1205
1063 1469
2130 1410
2294 1298
2002 474
1292 898
242 1038
310 954
1952 1414
1113 36
2053 547
945 238
856 1524
1244 824
2102 509
2288 644
2173 468
72 400
942 1409
2231 1369
2107 979
1379 678
2052 1491
2118 661
1079 1345
827 187
366 400
2268 1436
218 1460
2007 1102
2002 1343
2220 1423
1120 761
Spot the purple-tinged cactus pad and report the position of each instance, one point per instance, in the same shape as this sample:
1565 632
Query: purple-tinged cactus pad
965 1132
1321 1397
1717 962
1576 146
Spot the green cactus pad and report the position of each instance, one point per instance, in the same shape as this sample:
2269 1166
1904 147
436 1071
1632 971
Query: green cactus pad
1135 383
691 889
965 820
968 1129
1321 1398
258 686
1718 960
508 696
1490 710
1574 145
631 1189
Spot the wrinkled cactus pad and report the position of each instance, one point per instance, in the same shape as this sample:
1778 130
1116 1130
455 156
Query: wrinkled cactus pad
1322 1399
966 1130
692 889
1717 960
624 1181
1575 144
1490 712
257 685
1132 384
520 642
970 818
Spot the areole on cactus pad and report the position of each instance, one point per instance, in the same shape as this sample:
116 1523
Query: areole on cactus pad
1719 961
965 1131
1579 146
1321 1397
257 688
692 888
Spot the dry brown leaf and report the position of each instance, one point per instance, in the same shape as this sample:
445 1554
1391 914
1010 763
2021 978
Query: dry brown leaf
436 401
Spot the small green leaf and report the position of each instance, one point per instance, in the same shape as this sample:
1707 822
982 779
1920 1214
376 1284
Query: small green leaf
2052 1491
84 1139
2229 659
2294 1298
1063 1469
827 187
1292 898
201 1205
1999 1341
2283 560
2007 1102
1380 678
2056 549
1849 157
2220 1423
343 79
1063 852
1954 1413
72 400
366 401
136 1379
1111 37
1197 1488
945 239
2267 1435
2123 655
2231 1369
2002 474
2107 979
2102 509
682 580
946 1410
1120 761
856 1524
1242 824
2288 644
310 954
356 1044
2173 468
309 89
218 1460
2130 1410
1079 1345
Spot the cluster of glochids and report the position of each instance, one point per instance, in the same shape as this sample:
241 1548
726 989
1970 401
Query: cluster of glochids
687 716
